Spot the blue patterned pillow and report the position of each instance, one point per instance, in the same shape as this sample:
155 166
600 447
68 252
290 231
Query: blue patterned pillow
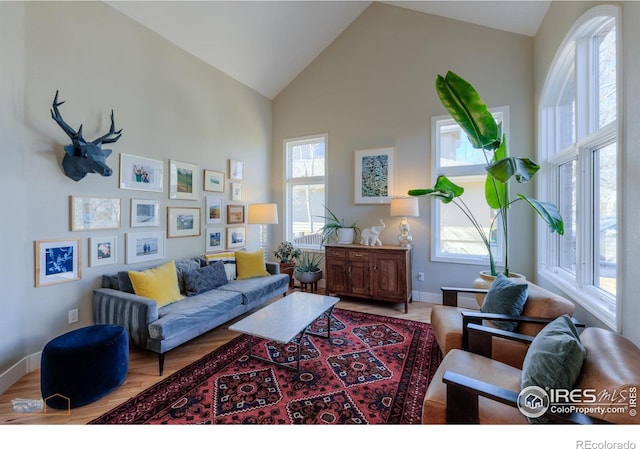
204 279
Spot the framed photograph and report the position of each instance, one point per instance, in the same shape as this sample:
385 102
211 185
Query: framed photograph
236 237
236 191
214 239
94 213
139 173
235 214
57 261
183 222
236 170
213 181
183 180
102 251
214 209
145 213
144 246
374 176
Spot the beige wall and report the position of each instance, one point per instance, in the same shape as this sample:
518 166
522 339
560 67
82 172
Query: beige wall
169 104
374 87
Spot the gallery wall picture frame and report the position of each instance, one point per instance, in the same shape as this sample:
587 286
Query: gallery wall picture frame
144 246
374 179
236 191
145 213
235 214
57 261
214 239
183 222
102 251
183 180
90 213
141 173
236 170
213 181
236 236
213 209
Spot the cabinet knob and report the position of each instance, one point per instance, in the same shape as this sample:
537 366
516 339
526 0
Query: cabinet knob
375 268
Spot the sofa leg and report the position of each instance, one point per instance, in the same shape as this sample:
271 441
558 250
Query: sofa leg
161 363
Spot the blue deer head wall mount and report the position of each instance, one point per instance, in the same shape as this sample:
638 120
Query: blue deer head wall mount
84 157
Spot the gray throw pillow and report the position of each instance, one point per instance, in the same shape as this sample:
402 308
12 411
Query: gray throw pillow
554 358
205 278
506 297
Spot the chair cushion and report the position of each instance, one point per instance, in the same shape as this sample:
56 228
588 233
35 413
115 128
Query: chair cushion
250 264
507 297
205 278
159 283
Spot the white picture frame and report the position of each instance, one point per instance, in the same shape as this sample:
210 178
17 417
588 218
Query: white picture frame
374 176
236 170
236 191
145 213
144 246
183 180
213 209
183 222
90 213
236 237
103 250
141 173
215 239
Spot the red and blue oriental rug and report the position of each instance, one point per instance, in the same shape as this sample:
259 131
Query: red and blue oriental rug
374 370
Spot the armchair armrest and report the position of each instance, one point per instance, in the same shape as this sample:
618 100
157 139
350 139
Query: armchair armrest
450 294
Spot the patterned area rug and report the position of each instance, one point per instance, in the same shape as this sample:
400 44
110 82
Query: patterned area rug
374 370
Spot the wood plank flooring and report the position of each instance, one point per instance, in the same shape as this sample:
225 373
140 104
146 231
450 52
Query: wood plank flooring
143 367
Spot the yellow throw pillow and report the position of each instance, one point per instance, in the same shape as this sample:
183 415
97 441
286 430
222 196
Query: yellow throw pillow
250 264
159 283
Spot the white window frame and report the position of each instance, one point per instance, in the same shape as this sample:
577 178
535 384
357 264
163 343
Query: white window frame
290 181
580 287
461 171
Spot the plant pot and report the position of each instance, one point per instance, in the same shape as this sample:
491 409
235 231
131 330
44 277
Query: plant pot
346 236
288 268
308 277
484 281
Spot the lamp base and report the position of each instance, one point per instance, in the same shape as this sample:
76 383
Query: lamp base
405 239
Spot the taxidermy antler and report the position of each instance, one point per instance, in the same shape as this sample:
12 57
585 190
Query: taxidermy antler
84 157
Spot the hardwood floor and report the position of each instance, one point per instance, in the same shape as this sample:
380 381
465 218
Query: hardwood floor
143 367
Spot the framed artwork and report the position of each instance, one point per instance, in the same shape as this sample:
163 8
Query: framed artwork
374 176
145 213
236 170
139 173
235 214
183 180
144 246
213 181
57 261
94 213
183 222
236 237
214 239
102 251
214 209
236 191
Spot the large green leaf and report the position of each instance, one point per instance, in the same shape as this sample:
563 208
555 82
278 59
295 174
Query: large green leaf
444 189
467 108
524 169
548 212
495 192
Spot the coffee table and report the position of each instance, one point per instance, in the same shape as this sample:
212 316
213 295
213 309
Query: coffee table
285 319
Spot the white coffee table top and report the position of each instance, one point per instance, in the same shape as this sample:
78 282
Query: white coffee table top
284 319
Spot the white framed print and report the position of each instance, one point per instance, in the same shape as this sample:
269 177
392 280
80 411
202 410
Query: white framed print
183 222
102 251
145 213
140 173
374 176
183 180
236 236
88 213
213 209
236 170
144 246
214 239
236 191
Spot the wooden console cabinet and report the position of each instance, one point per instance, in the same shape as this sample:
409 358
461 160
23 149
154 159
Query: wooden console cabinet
375 272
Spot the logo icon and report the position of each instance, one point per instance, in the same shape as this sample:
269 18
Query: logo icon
533 402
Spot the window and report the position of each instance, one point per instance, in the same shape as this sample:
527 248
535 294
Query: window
579 147
305 189
455 238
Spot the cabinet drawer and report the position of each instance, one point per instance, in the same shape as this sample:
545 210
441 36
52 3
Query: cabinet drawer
355 255
336 253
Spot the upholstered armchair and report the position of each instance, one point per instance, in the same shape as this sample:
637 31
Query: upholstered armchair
449 322
470 387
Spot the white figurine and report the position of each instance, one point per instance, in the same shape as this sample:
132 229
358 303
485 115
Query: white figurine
370 236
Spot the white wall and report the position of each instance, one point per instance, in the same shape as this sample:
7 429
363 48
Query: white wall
169 104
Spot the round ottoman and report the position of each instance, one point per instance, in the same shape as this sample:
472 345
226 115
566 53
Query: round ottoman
83 365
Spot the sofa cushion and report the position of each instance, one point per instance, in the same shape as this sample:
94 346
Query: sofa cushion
183 267
159 283
506 297
254 289
250 264
229 260
205 278
124 282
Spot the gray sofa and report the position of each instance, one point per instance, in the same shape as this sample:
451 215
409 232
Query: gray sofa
160 329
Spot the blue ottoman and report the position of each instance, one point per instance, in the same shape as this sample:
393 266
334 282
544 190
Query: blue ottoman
83 365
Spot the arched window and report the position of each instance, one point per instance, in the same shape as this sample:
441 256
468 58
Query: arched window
578 144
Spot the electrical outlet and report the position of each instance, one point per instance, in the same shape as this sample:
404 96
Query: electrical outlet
421 276
73 316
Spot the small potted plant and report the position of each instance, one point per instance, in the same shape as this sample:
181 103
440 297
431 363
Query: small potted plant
308 270
287 255
335 229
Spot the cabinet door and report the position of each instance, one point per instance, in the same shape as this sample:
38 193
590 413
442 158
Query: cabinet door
358 270
337 280
388 277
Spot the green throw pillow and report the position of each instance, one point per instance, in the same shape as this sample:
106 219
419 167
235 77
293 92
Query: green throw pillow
554 358
507 297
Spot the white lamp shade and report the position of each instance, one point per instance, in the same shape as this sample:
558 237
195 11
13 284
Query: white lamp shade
263 213
404 207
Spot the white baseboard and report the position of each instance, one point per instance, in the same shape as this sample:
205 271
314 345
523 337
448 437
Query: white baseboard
21 368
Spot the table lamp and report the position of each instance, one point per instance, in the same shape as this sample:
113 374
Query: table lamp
404 207
263 214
